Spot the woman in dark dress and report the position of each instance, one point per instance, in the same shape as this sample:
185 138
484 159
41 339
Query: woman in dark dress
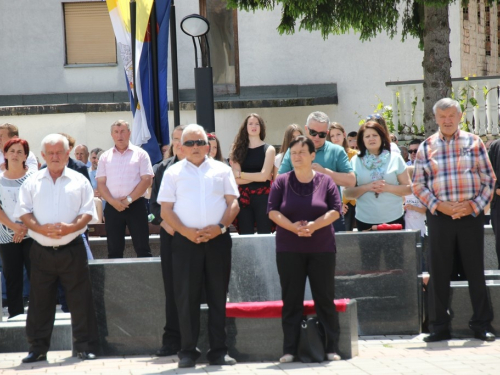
304 204
252 162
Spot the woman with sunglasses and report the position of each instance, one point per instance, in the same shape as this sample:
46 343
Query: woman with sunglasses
252 163
292 131
14 240
215 151
382 179
338 136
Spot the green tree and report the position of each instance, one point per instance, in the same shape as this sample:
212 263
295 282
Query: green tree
424 19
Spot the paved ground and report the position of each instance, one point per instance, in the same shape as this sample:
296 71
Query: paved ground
384 355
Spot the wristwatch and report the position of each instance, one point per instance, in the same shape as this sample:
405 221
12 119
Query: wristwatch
223 228
129 199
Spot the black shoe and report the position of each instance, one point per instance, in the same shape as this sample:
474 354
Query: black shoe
223 361
165 351
484 335
186 362
438 336
86 355
34 357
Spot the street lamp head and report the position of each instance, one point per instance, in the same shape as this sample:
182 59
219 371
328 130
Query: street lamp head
195 25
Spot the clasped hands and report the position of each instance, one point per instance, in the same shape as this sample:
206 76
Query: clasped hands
202 235
304 228
120 204
456 210
20 231
55 230
379 186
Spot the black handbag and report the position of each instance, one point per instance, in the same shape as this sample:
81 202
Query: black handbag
312 341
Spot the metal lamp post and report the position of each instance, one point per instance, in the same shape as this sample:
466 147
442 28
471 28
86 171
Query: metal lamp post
197 26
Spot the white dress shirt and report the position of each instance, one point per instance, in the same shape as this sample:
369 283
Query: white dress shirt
198 192
70 196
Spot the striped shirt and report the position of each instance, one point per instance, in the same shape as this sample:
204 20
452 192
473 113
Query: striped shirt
9 195
454 171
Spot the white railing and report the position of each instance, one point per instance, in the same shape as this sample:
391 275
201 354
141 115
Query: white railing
482 115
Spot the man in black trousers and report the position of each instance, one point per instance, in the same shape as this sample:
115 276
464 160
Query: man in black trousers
454 179
494 155
198 197
171 341
56 204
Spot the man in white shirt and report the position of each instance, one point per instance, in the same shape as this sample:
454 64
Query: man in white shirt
198 197
7 132
56 204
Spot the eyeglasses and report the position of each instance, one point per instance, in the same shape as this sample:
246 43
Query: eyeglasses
412 151
198 142
314 133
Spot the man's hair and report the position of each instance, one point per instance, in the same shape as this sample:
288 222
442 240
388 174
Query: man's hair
178 127
352 134
13 130
415 142
318 117
71 140
120 123
96 150
194 128
446 103
53 139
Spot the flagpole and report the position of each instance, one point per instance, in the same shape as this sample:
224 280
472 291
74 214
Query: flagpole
154 58
133 22
175 70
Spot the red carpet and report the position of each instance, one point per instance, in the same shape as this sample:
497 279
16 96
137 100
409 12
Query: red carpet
272 309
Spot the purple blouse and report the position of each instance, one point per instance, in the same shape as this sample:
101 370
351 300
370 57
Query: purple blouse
304 201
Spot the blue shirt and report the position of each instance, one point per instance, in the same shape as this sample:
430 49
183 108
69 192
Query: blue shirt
387 207
93 181
329 156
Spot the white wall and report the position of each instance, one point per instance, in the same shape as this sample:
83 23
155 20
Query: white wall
32 53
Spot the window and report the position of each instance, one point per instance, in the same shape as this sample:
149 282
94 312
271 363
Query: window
223 40
89 34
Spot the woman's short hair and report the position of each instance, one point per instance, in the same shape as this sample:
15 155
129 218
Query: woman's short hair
12 142
303 140
384 137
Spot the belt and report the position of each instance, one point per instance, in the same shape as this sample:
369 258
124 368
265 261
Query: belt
76 241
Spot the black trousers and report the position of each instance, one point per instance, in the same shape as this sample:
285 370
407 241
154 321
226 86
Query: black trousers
293 269
15 256
70 266
135 217
255 214
465 238
350 217
495 224
171 334
194 264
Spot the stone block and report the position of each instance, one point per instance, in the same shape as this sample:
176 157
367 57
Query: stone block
461 307
13 334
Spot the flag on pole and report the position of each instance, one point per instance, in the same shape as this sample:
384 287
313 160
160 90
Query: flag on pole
143 133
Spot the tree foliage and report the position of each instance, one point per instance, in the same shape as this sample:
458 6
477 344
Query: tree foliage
335 17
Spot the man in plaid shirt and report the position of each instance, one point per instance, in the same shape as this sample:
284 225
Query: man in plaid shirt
454 179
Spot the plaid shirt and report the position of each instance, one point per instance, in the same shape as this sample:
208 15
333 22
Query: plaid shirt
454 171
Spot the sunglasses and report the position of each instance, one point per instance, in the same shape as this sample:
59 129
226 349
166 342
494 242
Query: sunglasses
199 142
375 115
412 151
314 133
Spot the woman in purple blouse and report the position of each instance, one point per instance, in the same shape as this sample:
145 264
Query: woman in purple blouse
304 203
